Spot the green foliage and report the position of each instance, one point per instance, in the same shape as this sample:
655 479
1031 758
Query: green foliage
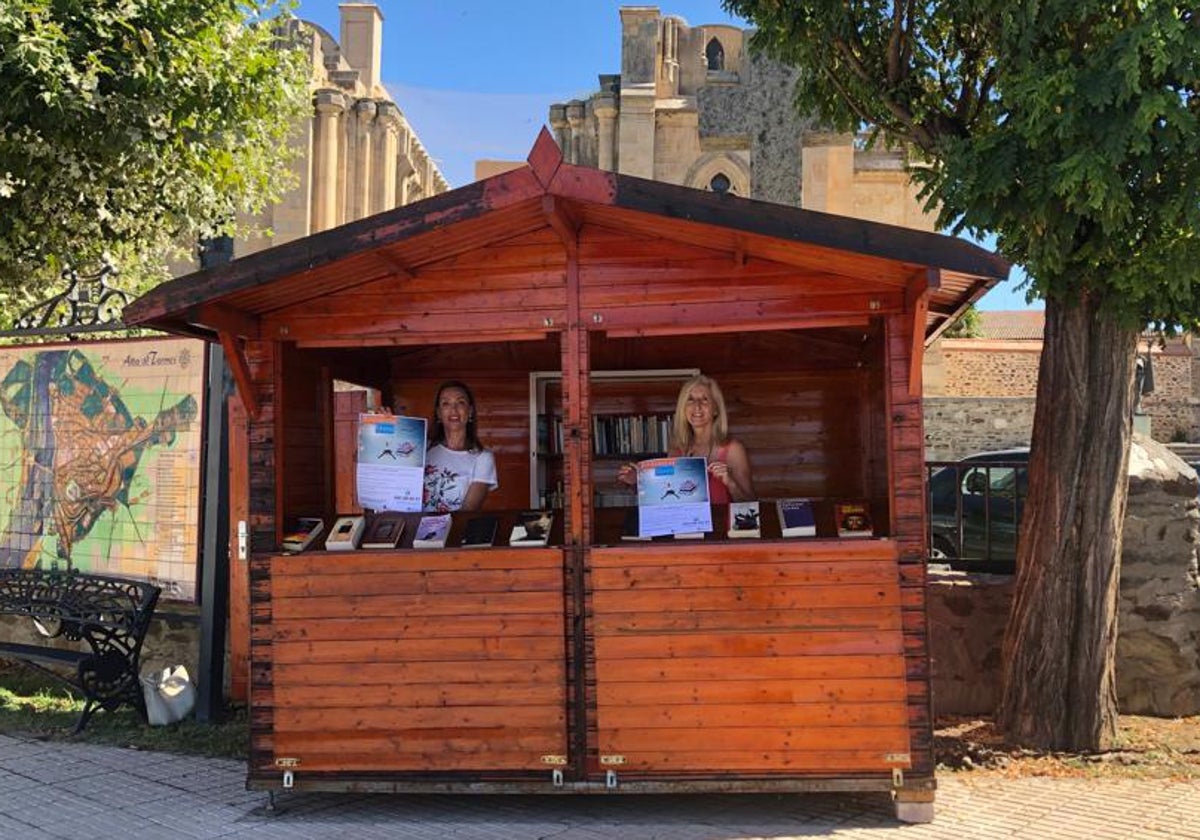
969 325
1067 127
128 126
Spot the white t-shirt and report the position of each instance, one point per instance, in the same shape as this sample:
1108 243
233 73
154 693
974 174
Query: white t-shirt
450 473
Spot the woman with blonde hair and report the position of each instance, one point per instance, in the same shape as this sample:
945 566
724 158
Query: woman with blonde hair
701 430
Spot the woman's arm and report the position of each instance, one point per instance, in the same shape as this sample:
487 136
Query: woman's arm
735 471
476 492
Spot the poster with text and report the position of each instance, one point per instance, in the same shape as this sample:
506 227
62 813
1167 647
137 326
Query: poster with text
390 474
101 447
673 497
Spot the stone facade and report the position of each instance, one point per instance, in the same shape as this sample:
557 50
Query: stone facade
956 427
969 375
693 105
356 155
1158 647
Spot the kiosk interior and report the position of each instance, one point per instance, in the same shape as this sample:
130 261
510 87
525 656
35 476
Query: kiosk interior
574 302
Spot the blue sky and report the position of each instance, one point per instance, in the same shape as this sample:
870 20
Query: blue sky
475 78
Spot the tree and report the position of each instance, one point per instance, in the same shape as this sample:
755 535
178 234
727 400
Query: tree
128 127
1069 129
969 325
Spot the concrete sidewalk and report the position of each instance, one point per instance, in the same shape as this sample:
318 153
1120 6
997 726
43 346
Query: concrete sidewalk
81 791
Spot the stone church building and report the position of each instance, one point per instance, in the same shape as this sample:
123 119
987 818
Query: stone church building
356 153
692 105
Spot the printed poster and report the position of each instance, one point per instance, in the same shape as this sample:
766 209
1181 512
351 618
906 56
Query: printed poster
391 462
673 497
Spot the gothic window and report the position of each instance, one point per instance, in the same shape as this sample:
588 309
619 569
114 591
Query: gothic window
720 183
714 53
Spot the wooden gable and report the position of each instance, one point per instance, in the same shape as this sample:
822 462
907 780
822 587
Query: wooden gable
489 260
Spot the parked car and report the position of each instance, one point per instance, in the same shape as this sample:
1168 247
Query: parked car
975 508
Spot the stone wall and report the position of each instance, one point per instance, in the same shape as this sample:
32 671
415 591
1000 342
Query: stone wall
983 368
956 427
1158 649
173 639
980 368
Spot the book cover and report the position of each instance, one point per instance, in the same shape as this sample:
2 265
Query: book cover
384 530
744 521
480 532
796 518
532 528
345 533
307 529
629 526
432 531
853 519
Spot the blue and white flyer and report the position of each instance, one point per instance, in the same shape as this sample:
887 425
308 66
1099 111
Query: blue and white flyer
673 497
391 462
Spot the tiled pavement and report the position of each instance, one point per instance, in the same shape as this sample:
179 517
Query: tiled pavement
55 790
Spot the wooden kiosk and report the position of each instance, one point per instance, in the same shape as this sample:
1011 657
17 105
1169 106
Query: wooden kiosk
566 296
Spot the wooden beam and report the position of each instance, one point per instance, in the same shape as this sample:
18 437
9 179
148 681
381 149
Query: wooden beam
916 304
423 339
816 322
564 223
397 265
220 317
235 357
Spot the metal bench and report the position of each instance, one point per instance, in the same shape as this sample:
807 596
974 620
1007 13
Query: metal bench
108 616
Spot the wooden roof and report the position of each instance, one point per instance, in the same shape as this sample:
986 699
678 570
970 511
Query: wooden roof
548 203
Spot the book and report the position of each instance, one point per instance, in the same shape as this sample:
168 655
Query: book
744 521
307 529
432 531
532 528
345 533
853 519
480 532
796 518
384 530
629 526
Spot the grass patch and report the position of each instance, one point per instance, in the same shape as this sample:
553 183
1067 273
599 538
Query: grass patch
34 705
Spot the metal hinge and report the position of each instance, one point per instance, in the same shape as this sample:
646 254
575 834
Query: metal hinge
897 777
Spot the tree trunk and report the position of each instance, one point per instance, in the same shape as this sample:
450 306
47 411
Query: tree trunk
1060 645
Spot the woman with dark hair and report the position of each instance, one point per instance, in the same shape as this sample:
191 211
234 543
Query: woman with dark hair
459 472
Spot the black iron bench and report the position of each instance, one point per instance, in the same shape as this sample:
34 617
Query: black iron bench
108 616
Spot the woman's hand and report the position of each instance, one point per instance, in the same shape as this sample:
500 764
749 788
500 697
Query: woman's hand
627 474
734 473
720 470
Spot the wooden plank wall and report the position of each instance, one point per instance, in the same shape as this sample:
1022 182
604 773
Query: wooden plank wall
907 448
750 658
414 661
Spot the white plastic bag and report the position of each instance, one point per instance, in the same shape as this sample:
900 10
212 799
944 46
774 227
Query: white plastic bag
170 695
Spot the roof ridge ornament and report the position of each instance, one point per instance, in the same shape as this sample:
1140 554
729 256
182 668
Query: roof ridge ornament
544 158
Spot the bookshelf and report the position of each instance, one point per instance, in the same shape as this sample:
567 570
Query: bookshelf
631 416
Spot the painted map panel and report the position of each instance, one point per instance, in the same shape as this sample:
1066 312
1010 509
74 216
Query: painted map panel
100 455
